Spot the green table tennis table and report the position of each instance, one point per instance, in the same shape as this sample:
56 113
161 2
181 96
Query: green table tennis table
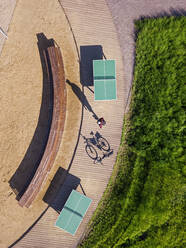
104 73
73 212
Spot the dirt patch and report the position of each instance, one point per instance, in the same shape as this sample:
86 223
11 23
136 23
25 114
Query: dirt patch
6 12
20 98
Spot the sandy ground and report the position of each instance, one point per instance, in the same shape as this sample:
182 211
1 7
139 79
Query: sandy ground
20 100
6 12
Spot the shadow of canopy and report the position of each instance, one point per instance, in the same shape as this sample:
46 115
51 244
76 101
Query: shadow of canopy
60 188
87 55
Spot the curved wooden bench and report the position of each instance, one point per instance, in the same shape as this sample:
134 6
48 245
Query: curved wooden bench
57 126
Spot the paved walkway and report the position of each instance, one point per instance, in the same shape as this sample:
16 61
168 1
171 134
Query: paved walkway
92 24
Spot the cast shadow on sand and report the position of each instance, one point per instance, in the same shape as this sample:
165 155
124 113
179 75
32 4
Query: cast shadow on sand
28 166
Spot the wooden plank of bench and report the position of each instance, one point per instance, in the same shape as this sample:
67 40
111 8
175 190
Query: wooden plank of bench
57 127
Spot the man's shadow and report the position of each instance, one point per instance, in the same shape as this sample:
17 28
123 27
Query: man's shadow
83 99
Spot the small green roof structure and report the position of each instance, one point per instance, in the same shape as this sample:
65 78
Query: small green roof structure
104 73
73 212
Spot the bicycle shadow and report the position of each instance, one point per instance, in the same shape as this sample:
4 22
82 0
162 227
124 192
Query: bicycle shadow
95 143
104 155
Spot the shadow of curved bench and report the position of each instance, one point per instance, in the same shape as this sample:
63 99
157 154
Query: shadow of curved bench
54 60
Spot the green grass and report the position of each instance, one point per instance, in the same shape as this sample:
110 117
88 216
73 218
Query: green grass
144 203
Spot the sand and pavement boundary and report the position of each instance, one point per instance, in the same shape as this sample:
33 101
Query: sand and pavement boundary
25 99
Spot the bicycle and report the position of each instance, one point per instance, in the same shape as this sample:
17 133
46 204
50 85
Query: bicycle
98 141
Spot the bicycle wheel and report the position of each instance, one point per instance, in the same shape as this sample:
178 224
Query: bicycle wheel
104 144
91 151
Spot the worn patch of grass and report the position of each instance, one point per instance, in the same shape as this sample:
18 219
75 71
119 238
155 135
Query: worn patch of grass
145 203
